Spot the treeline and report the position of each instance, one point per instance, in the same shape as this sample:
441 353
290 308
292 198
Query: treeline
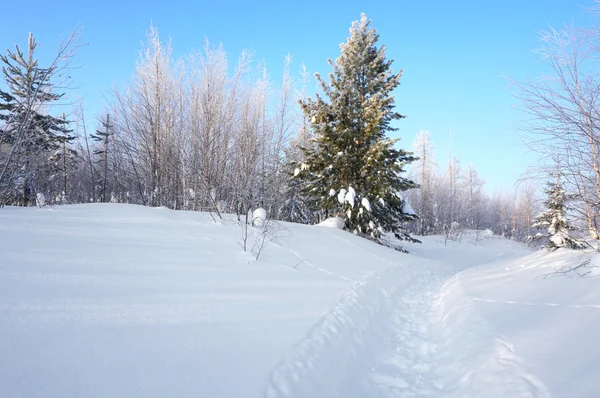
200 134
190 135
197 133
185 134
452 198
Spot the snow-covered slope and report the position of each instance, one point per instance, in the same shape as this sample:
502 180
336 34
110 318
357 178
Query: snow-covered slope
126 301
118 300
550 318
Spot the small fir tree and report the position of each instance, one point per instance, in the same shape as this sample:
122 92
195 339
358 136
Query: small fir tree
352 169
554 219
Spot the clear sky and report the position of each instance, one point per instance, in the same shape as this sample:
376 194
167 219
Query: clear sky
453 53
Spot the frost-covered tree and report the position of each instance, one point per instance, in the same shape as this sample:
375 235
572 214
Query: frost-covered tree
354 169
561 109
30 138
554 219
423 171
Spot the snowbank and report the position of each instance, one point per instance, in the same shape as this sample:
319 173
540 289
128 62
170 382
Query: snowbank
539 317
259 217
332 222
110 300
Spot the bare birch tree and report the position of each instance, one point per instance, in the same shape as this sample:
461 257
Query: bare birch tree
563 108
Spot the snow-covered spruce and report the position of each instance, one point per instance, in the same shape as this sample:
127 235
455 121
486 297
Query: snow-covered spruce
352 155
557 230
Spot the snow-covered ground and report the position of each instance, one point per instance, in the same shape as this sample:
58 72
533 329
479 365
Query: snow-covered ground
110 300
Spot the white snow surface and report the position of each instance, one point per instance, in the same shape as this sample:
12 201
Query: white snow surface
341 196
366 204
259 217
108 300
350 196
407 208
333 222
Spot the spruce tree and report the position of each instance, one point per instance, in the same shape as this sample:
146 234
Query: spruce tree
554 219
353 169
30 134
63 161
103 137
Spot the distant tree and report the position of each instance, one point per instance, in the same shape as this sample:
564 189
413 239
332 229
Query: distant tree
353 169
450 204
554 219
475 202
295 206
422 199
64 161
526 209
103 137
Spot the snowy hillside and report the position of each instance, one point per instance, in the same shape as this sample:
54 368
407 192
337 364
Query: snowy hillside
127 301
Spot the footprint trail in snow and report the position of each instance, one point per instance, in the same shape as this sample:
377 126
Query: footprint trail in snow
408 367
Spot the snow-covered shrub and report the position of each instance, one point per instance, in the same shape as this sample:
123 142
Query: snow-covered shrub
40 199
333 222
487 233
259 217
60 198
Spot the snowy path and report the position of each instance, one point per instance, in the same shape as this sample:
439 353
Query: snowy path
408 361
347 354
406 332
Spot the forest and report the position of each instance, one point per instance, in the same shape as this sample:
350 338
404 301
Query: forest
200 133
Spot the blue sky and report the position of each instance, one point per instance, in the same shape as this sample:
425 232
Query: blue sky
454 55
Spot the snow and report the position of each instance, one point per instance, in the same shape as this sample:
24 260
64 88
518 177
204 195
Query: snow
407 208
342 196
117 300
487 233
332 192
259 217
550 319
366 204
350 196
333 222
40 199
108 300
